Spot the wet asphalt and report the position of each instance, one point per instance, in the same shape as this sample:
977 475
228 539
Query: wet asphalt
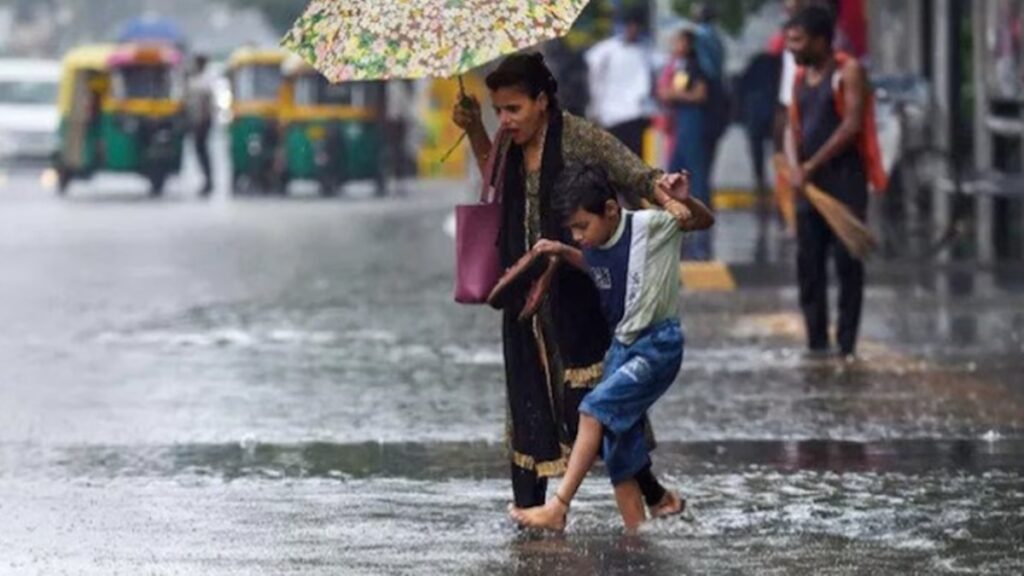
284 386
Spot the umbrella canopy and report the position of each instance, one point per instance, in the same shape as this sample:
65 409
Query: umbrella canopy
385 39
151 30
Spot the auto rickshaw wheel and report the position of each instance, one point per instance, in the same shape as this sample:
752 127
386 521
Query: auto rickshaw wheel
280 184
63 181
156 184
329 187
242 185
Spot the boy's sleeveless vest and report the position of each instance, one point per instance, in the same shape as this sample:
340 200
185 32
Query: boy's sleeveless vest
867 140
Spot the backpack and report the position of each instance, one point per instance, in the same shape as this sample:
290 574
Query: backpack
867 141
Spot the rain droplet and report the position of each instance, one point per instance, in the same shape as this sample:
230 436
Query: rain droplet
991 436
961 534
248 443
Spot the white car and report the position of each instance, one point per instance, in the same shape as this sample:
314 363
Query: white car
28 109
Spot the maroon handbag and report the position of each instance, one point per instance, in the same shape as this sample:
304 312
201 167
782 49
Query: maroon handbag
477 261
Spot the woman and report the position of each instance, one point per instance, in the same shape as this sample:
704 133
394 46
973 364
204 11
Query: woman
552 361
684 89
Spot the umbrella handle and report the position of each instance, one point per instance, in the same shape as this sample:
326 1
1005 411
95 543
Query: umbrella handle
453 148
464 100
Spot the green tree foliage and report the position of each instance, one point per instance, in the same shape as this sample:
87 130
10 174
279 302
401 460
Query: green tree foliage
731 13
280 13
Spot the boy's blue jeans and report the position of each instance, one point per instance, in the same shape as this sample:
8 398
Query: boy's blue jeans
635 377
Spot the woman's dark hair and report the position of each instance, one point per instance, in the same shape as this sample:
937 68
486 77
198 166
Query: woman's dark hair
817 21
527 72
583 186
691 39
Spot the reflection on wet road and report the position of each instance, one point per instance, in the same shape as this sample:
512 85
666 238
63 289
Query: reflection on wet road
286 387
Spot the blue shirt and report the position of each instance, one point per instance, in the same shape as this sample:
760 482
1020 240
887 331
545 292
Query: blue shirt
609 267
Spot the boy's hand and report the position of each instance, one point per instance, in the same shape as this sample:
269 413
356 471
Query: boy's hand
549 247
676 185
680 212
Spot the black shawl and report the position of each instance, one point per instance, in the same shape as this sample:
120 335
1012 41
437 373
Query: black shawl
582 333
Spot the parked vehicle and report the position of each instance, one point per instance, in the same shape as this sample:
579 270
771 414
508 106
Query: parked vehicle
28 110
331 132
256 80
121 110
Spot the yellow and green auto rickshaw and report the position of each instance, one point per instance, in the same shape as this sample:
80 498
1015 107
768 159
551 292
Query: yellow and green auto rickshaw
256 79
332 133
121 111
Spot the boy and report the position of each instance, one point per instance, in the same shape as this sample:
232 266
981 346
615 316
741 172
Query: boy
633 258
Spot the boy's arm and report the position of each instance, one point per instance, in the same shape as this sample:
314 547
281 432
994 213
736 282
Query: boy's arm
570 254
701 217
690 214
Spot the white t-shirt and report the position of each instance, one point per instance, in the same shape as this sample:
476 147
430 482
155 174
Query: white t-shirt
200 97
621 81
788 77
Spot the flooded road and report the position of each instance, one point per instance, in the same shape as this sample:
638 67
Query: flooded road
285 387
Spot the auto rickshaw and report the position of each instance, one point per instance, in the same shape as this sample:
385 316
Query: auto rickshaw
121 111
332 133
256 78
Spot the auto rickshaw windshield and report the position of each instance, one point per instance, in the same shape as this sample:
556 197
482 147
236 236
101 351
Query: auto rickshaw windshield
315 90
152 82
257 83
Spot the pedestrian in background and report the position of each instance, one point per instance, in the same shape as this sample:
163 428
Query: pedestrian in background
683 88
758 87
711 56
831 143
569 66
200 117
621 78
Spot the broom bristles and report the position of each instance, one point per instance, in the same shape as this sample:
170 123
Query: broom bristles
850 230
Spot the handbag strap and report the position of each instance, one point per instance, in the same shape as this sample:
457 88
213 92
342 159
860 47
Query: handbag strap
494 171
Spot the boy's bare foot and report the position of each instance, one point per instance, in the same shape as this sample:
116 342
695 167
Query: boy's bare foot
631 505
550 516
671 505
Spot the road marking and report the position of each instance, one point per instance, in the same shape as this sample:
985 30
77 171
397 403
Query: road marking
733 199
780 324
706 277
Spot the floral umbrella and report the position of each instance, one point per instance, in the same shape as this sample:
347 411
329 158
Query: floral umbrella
385 39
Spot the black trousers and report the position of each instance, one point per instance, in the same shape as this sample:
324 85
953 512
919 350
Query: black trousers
202 140
815 240
631 134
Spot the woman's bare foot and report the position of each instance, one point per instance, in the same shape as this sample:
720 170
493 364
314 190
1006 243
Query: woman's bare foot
671 504
550 516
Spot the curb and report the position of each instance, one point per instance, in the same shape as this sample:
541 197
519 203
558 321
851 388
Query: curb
717 276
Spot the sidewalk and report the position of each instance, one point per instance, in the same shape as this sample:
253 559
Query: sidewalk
751 251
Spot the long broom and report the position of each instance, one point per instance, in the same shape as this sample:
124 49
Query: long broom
854 235
784 196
